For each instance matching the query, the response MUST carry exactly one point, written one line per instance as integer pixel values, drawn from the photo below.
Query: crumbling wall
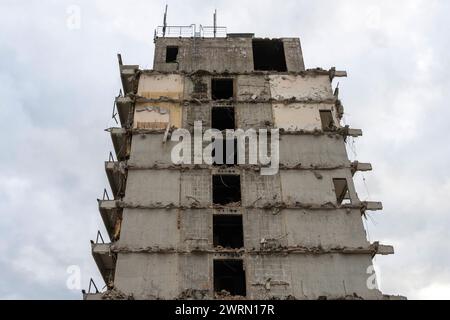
(324, 228)
(156, 86)
(293, 53)
(151, 187)
(301, 116)
(157, 115)
(264, 229)
(314, 187)
(196, 112)
(310, 151)
(196, 188)
(259, 190)
(252, 87)
(148, 276)
(149, 150)
(300, 87)
(254, 116)
(143, 228)
(196, 228)
(333, 276)
(219, 54)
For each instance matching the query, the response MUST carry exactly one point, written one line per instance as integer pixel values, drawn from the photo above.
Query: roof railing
(190, 32)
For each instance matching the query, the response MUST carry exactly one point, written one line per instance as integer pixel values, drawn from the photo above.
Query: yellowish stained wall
(298, 116)
(161, 85)
(316, 87)
(157, 115)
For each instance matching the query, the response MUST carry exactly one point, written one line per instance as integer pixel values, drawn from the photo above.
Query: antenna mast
(215, 22)
(165, 22)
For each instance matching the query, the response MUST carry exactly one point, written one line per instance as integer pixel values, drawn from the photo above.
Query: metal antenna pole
(165, 22)
(215, 22)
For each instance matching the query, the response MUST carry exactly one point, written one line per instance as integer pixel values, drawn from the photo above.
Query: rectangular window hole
(326, 118)
(341, 190)
(226, 189)
(229, 276)
(268, 55)
(222, 89)
(171, 54)
(222, 118)
(228, 231)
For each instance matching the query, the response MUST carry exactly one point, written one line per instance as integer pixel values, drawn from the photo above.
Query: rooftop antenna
(215, 22)
(165, 22)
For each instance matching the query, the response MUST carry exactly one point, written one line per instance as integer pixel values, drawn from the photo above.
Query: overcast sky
(58, 82)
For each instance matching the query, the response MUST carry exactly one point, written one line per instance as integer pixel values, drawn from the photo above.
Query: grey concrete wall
(192, 228)
(194, 112)
(325, 228)
(196, 188)
(214, 55)
(254, 116)
(303, 276)
(293, 53)
(309, 276)
(316, 187)
(149, 187)
(252, 87)
(258, 190)
(143, 228)
(233, 54)
(307, 150)
(148, 276)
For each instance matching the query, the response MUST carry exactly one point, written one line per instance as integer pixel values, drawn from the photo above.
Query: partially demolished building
(218, 231)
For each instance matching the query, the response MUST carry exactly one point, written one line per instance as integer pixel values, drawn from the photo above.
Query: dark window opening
(341, 190)
(326, 118)
(229, 153)
(228, 231)
(268, 55)
(222, 118)
(229, 275)
(222, 89)
(226, 189)
(171, 54)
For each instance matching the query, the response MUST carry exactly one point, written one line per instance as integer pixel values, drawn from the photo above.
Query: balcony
(111, 215)
(105, 260)
(116, 174)
(121, 141)
(125, 110)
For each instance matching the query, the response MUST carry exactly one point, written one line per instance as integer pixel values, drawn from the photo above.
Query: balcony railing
(190, 31)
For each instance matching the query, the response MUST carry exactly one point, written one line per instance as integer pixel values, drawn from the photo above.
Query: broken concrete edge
(265, 206)
(110, 294)
(206, 294)
(110, 213)
(130, 74)
(237, 168)
(343, 131)
(308, 72)
(187, 102)
(371, 206)
(373, 249)
(117, 176)
(100, 253)
(360, 166)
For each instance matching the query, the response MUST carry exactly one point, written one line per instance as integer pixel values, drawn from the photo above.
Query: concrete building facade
(218, 231)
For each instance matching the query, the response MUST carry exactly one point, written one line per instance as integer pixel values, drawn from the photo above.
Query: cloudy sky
(57, 84)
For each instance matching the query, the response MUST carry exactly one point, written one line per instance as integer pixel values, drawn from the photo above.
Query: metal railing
(190, 31)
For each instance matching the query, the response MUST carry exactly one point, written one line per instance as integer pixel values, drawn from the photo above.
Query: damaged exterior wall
(298, 241)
